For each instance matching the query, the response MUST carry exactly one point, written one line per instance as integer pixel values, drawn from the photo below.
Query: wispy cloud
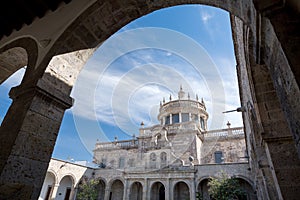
(206, 16)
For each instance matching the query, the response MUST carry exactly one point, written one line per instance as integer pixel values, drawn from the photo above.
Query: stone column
(54, 191)
(180, 120)
(27, 137)
(126, 190)
(146, 190)
(73, 193)
(192, 189)
(107, 193)
(168, 194)
(171, 120)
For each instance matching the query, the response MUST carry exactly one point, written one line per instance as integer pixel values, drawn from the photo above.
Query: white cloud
(205, 16)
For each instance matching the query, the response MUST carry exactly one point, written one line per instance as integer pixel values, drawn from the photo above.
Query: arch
(202, 188)
(29, 44)
(11, 61)
(157, 191)
(71, 176)
(54, 174)
(65, 187)
(181, 191)
(247, 186)
(116, 190)
(94, 22)
(136, 191)
(48, 185)
(101, 188)
(91, 19)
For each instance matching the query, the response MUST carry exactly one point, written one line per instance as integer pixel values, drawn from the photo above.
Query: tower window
(175, 118)
(122, 162)
(218, 157)
(167, 120)
(202, 124)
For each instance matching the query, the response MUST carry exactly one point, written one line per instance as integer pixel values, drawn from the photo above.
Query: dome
(183, 110)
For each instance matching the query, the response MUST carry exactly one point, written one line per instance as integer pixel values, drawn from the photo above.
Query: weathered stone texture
(266, 37)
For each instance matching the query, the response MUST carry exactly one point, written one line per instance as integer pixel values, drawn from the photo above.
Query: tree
(225, 188)
(88, 190)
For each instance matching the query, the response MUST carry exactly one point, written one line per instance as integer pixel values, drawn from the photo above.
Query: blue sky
(144, 62)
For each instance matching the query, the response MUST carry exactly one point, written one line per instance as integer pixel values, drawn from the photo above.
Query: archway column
(146, 190)
(192, 190)
(27, 137)
(126, 190)
(169, 189)
(54, 191)
(107, 192)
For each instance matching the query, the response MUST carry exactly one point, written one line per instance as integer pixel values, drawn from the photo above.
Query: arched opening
(136, 191)
(12, 81)
(11, 61)
(65, 188)
(247, 187)
(157, 191)
(244, 10)
(117, 190)
(101, 189)
(181, 191)
(202, 190)
(47, 188)
(163, 159)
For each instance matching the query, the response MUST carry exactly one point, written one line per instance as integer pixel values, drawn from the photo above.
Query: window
(167, 120)
(218, 157)
(175, 118)
(152, 160)
(163, 159)
(121, 162)
(202, 124)
(185, 117)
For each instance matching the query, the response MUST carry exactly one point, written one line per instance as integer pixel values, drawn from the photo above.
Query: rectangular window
(121, 162)
(202, 123)
(175, 118)
(167, 120)
(185, 117)
(218, 157)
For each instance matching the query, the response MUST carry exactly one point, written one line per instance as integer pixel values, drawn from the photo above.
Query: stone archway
(136, 191)
(116, 190)
(101, 189)
(47, 188)
(157, 191)
(248, 188)
(202, 189)
(65, 188)
(93, 24)
(181, 191)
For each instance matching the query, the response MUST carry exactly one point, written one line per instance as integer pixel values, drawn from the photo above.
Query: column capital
(43, 89)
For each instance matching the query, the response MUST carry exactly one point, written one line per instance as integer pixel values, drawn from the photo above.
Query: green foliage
(88, 190)
(225, 188)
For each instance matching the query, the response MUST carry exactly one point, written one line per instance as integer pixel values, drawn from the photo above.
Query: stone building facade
(170, 160)
(266, 43)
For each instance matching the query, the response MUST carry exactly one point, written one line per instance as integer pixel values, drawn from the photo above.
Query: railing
(239, 131)
(124, 144)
